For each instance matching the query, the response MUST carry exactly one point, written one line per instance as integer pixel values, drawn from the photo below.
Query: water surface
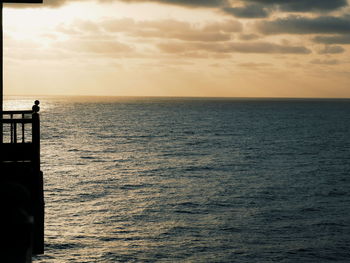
(195, 180)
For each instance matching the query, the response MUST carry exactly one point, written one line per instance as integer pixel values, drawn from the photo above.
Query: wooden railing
(10, 132)
(20, 136)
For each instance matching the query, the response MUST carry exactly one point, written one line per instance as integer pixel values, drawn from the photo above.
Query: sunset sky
(218, 48)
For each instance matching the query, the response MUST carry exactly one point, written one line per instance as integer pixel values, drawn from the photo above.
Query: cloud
(305, 25)
(224, 26)
(263, 8)
(325, 62)
(46, 3)
(102, 47)
(173, 29)
(270, 48)
(254, 65)
(332, 50)
(168, 29)
(258, 47)
(341, 39)
(248, 36)
(192, 3)
(180, 36)
(303, 5)
(248, 11)
(284, 5)
(141, 37)
(185, 3)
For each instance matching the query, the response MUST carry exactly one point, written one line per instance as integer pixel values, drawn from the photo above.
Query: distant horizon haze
(166, 96)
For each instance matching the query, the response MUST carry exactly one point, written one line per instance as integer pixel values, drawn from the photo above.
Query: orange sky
(220, 48)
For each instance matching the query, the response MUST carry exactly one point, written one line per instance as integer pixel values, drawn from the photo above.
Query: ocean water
(195, 180)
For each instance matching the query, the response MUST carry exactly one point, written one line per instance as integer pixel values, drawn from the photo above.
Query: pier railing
(15, 126)
(20, 137)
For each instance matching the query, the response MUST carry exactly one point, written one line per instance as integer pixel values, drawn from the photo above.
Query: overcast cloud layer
(245, 5)
(255, 35)
(324, 22)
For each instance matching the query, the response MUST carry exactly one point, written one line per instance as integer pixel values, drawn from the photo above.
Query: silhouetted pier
(21, 187)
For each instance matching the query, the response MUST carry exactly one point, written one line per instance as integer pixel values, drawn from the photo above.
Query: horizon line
(178, 96)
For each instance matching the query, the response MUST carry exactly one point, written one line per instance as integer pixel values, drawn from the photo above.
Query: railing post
(1, 127)
(11, 117)
(23, 140)
(14, 132)
(39, 204)
(36, 140)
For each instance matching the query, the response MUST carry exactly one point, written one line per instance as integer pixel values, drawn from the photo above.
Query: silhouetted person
(36, 107)
(16, 224)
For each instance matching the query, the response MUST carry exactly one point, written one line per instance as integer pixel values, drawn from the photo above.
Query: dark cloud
(263, 8)
(325, 61)
(249, 11)
(248, 36)
(258, 47)
(270, 48)
(305, 25)
(332, 50)
(303, 5)
(189, 3)
(341, 39)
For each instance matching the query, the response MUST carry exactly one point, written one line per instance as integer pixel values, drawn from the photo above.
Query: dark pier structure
(21, 186)
(21, 179)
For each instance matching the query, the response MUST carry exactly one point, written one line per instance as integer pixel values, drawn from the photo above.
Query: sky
(197, 48)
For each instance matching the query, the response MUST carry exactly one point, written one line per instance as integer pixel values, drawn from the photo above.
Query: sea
(156, 179)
